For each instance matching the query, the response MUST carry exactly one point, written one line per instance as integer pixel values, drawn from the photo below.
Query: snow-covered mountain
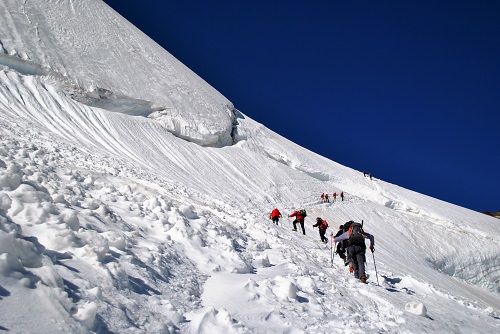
(135, 199)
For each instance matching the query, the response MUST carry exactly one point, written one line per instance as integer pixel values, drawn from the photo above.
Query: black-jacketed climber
(340, 248)
(356, 248)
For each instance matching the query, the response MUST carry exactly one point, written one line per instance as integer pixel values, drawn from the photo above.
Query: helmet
(318, 218)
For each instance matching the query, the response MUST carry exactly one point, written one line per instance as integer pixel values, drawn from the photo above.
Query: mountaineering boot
(363, 279)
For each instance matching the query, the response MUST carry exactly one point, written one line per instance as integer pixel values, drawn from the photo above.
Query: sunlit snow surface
(135, 199)
(89, 48)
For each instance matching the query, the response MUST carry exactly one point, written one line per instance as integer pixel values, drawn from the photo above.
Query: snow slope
(90, 48)
(135, 199)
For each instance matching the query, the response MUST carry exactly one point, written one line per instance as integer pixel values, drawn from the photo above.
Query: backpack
(345, 228)
(356, 235)
(324, 224)
(303, 212)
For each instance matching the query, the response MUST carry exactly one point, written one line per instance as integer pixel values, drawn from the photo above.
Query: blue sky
(406, 90)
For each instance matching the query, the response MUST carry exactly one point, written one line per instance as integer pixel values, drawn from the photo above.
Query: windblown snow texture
(135, 199)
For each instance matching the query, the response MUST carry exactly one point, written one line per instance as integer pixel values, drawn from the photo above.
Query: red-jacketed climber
(299, 215)
(275, 215)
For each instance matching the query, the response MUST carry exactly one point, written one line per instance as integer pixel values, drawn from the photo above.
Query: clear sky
(406, 90)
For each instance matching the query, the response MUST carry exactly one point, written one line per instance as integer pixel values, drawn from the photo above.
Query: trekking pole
(331, 251)
(375, 265)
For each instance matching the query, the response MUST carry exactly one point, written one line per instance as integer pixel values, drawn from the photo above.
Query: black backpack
(303, 212)
(356, 235)
(345, 228)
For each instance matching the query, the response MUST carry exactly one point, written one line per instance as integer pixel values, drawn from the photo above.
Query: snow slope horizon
(104, 214)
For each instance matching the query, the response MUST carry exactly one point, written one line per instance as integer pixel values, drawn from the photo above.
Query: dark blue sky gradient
(407, 90)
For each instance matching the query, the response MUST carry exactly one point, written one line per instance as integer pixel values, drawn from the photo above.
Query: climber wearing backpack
(275, 215)
(299, 215)
(322, 225)
(356, 248)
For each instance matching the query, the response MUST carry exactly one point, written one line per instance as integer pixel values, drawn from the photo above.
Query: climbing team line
(333, 275)
(355, 263)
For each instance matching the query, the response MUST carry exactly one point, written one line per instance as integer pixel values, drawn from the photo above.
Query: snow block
(87, 314)
(416, 308)
(284, 289)
(262, 261)
(5, 202)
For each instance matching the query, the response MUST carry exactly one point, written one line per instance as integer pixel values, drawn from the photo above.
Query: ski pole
(334, 250)
(331, 251)
(375, 265)
(331, 255)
